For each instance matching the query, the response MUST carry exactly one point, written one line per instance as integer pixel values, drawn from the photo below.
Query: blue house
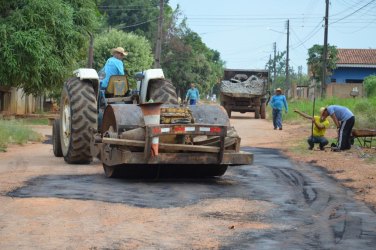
(354, 65)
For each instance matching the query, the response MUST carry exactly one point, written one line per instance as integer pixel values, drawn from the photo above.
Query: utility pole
(287, 55)
(158, 46)
(274, 64)
(90, 59)
(325, 52)
(269, 71)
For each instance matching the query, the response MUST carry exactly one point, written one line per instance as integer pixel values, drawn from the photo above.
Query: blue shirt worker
(114, 65)
(277, 103)
(344, 119)
(192, 95)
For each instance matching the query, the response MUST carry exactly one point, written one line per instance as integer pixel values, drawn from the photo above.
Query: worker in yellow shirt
(319, 128)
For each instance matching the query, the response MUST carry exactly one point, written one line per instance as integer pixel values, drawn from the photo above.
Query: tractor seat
(117, 86)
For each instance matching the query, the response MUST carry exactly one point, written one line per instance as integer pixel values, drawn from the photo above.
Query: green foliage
(280, 64)
(280, 81)
(139, 58)
(34, 121)
(187, 59)
(14, 132)
(370, 85)
(42, 40)
(137, 16)
(365, 113)
(315, 62)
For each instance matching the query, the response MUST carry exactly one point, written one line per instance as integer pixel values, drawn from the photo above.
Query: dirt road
(273, 204)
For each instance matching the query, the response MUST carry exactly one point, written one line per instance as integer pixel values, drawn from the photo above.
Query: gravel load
(252, 86)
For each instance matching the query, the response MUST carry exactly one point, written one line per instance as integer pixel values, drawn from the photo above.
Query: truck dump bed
(244, 91)
(244, 83)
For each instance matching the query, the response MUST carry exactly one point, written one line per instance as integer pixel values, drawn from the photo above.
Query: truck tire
(162, 90)
(263, 110)
(78, 116)
(228, 110)
(56, 143)
(257, 112)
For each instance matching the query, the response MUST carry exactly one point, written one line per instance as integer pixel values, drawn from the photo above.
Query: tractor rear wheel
(78, 117)
(161, 90)
(56, 143)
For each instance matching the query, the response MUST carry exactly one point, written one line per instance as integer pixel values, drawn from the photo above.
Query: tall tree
(187, 59)
(315, 60)
(41, 41)
(138, 16)
(280, 62)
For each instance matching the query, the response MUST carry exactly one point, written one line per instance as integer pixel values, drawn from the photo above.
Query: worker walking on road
(344, 119)
(192, 95)
(277, 102)
(319, 128)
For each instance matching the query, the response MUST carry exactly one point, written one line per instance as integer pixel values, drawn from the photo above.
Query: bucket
(152, 116)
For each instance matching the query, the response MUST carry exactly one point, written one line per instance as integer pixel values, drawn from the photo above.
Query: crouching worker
(319, 128)
(344, 119)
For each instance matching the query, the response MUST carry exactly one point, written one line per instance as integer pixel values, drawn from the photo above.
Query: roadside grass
(34, 121)
(364, 110)
(300, 147)
(16, 132)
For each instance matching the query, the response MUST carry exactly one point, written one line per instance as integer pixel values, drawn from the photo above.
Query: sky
(243, 31)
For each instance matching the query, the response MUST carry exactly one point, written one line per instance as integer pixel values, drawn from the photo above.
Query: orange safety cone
(154, 146)
(152, 116)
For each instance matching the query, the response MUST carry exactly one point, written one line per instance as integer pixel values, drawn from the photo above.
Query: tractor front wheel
(163, 91)
(78, 118)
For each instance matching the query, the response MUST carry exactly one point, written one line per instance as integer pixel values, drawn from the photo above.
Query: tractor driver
(114, 65)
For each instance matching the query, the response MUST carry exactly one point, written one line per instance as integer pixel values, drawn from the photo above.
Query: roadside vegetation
(16, 132)
(364, 109)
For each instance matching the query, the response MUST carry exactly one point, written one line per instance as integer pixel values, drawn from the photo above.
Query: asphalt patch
(311, 211)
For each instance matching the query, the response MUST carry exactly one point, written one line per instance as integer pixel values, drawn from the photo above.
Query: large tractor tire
(162, 90)
(56, 142)
(78, 118)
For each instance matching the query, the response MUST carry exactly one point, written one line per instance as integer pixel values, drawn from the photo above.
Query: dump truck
(245, 90)
(125, 128)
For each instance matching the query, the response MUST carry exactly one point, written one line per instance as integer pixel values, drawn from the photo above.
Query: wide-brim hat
(278, 89)
(323, 109)
(119, 50)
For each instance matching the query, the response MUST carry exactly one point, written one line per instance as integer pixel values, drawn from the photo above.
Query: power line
(137, 24)
(300, 41)
(352, 13)
(309, 36)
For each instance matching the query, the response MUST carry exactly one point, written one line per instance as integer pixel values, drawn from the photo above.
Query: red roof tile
(357, 56)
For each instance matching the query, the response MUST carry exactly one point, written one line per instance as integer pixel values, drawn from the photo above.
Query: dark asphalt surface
(318, 212)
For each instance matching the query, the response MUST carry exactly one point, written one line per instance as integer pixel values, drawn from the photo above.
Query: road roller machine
(128, 129)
